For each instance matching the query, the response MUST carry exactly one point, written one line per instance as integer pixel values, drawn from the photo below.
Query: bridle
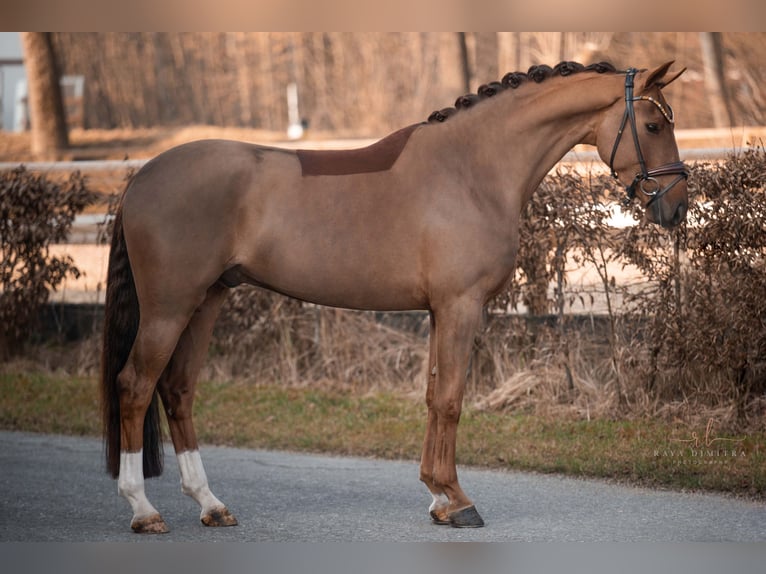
(646, 179)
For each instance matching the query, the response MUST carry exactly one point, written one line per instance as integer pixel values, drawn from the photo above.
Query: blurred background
(345, 84)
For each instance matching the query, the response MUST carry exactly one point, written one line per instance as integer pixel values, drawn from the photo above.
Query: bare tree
(46, 107)
(712, 59)
(465, 62)
(487, 50)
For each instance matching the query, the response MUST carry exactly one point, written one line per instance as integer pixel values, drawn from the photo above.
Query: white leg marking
(130, 484)
(194, 481)
(440, 500)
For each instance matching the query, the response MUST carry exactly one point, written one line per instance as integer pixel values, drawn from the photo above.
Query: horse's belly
(345, 278)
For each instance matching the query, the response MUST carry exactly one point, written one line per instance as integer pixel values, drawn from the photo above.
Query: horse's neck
(517, 139)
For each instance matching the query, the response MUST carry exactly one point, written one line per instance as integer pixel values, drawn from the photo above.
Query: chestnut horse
(427, 218)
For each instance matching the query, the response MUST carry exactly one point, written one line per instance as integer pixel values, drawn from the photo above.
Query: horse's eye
(653, 128)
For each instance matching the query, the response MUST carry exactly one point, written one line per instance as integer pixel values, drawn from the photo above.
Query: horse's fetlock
(193, 490)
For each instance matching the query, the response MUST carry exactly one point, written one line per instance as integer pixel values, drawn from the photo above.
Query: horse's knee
(448, 410)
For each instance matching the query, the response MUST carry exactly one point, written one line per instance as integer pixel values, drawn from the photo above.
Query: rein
(646, 179)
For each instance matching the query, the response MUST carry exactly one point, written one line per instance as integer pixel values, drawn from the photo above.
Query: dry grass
(544, 390)
(262, 337)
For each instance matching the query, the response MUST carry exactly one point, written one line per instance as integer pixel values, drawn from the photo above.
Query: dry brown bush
(691, 340)
(267, 338)
(35, 212)
(705, 320)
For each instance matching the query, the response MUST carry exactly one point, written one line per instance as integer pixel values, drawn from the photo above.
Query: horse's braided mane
(513, 80)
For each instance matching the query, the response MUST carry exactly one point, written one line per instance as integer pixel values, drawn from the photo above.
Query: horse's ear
(657, 76)
(672, 79)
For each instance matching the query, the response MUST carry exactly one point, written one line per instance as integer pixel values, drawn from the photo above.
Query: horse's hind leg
(176, 388)
(154, 344)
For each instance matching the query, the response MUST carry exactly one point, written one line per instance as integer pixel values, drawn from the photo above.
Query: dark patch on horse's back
(379, 156)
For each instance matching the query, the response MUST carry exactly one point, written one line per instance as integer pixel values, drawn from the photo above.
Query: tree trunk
(712, 59)
(487, 50)
(465, 63)
(46, 106)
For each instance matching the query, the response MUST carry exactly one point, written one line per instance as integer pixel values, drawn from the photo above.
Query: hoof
(153, 524)
(466, 518)
(219, 517)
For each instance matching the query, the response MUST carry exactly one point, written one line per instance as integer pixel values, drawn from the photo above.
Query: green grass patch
(48, 403)
(647, 452)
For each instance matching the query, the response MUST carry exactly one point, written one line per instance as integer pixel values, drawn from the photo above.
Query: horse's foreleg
(137, 381)
(177, 391)
(439, 507)
(457, 325)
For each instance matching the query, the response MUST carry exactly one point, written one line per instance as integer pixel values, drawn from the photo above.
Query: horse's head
(636, 138)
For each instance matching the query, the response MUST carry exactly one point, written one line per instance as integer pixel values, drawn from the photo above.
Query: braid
(513, 80)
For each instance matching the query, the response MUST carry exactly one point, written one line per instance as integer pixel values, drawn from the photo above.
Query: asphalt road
(53, 488)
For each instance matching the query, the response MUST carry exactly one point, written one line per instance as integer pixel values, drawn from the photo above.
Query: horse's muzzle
(667, 215)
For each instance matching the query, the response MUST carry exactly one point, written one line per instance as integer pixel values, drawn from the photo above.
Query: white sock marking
(130, 484)
(194, 481)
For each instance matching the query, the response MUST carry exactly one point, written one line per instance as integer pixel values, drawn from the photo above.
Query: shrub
(34, 213)
(706, 318)
(693, 333)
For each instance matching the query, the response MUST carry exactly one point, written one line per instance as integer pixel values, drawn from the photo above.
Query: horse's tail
(120, 329)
